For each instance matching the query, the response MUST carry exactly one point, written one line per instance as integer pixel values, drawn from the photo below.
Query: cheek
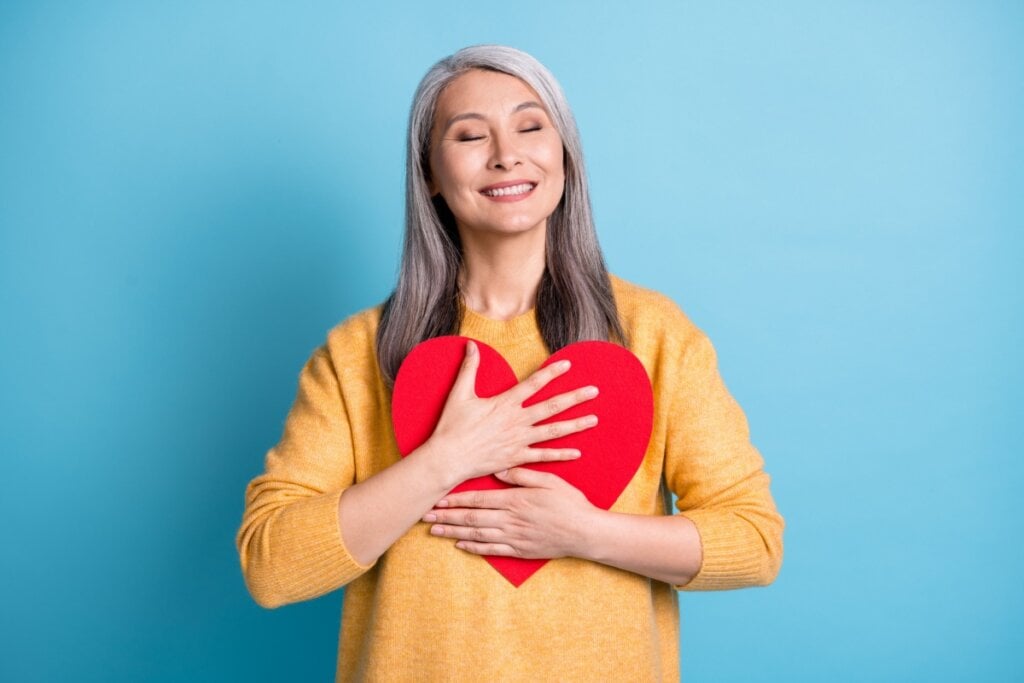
(554, 155)
(556, 174)
(453, 171)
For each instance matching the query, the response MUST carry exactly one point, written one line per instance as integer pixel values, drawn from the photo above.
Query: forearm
(662, 547)
(376, 512)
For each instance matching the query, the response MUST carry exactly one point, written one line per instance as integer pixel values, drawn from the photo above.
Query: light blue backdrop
(193, 193)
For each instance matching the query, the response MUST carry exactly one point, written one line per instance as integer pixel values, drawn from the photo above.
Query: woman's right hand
(478, 436)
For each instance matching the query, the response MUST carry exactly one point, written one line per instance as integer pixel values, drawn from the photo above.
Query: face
(495, 156)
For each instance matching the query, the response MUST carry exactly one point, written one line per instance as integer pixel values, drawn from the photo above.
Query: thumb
(524, 476)
(465, 381)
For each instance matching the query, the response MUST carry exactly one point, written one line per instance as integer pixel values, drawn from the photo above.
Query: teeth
(514, 189)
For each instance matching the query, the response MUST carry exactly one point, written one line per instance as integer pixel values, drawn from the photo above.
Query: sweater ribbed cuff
(733, 552)
(328, 556)
(317, 560)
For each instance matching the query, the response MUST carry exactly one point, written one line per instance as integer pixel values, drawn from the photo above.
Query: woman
(500, 247)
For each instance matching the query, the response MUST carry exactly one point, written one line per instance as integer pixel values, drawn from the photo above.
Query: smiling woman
(497, 159)
(500, 247)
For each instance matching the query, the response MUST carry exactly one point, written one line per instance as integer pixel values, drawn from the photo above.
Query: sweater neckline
(501, 332)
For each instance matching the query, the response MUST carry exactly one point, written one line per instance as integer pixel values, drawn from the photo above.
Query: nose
(504, 152)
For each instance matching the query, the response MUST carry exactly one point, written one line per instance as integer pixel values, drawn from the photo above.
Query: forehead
(483, 92)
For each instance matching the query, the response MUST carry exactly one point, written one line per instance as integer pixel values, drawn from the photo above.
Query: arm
(665, 547)
(548, 517)
(719, 478)
(728, 533)
(289, 542)
(308, 528)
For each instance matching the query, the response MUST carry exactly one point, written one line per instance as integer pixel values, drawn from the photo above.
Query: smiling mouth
(510, 191)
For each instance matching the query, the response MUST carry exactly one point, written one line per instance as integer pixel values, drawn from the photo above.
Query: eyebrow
(473, 115)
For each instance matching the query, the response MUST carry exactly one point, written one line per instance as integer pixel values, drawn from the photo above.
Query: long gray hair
(574, 300)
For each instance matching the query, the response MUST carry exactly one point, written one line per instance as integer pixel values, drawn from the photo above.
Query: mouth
(514, 189)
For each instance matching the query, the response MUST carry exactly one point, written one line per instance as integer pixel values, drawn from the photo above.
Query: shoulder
(351, 344)
(669, 344)
(359, 327)
(649, 314)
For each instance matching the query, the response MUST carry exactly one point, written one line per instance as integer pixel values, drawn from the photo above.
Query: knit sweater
(426, 611)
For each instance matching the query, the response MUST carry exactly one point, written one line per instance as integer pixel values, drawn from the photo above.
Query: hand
(546, 517)
(479, 436)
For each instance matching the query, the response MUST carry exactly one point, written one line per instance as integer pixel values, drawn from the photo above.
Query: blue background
(193, 193)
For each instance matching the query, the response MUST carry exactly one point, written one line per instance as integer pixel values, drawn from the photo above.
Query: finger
(557, 404)
(535, 382)
(465, 381)
(492, 499)
(475, 534)
(524, 476)
(554, 430)
(466, 517)
(499, 549)
(550, 455)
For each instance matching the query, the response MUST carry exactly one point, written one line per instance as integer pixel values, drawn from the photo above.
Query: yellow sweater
(426, 611)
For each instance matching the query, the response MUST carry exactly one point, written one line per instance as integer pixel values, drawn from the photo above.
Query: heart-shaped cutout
(611, 451)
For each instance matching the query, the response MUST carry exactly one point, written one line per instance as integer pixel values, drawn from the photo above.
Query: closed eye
(530, 130)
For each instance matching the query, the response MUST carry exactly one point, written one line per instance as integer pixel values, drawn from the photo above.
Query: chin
(521, 229)
(509, 228)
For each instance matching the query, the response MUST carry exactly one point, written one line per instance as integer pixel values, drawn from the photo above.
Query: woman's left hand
(543, 517)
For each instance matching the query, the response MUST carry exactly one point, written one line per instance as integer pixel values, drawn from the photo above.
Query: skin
(506, 135)
(497, 136)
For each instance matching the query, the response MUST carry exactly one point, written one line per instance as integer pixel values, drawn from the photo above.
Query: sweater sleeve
(290, 543)
(718, 477)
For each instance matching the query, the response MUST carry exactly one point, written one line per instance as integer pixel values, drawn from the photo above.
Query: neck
(501, 274)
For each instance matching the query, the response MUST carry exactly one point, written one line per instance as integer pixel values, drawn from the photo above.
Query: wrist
(592, 533)
(432, 455)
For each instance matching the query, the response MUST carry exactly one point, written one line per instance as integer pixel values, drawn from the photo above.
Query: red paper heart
(611, 451)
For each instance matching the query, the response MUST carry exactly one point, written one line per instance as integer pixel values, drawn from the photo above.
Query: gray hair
(574, 300)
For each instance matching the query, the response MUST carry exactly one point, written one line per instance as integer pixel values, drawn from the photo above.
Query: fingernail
(503, 473)
(576, 454)
(470, 347)
(436, 530)
(590, 392)
(442, 504)
(430, 517)
(564, 365)
(590, 420)
(460, 545)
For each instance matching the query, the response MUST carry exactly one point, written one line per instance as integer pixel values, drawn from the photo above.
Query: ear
(428, 177)
(427, 166)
